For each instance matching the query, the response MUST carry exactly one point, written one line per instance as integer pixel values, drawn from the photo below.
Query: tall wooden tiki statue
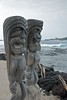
(15, 40)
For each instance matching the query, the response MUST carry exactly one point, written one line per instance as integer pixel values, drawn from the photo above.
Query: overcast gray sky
(52, 12)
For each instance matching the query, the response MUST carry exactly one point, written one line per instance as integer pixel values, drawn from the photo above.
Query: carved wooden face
(34, 39)
(36, 34)
(18, 41)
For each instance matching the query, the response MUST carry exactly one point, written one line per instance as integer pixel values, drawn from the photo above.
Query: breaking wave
(55, 45)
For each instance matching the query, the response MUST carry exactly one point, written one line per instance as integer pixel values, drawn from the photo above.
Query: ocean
(53, 54)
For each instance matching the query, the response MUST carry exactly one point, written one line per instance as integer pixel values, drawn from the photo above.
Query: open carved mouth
(18, 45)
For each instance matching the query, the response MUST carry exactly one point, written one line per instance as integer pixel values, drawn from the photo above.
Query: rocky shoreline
(51, 83)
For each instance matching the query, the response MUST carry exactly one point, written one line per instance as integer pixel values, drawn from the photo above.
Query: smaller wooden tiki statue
(33, 45)
(15, 38)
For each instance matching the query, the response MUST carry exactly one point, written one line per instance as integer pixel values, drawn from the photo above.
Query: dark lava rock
(2, 56)
(52, 83)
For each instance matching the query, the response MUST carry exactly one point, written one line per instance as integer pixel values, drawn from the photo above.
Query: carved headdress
(33, 23)
(9, 26)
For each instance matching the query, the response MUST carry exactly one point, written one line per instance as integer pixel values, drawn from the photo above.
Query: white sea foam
(53, 45)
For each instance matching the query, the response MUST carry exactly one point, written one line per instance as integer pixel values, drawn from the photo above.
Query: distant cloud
(52, 12)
